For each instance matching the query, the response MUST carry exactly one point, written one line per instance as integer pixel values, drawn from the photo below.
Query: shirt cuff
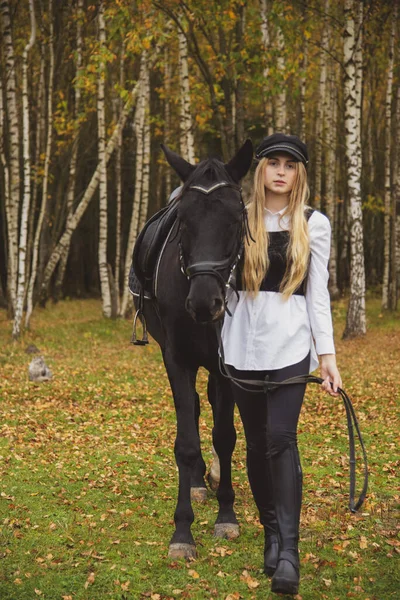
(324, 345)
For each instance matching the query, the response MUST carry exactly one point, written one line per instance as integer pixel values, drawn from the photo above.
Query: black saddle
(148, 246)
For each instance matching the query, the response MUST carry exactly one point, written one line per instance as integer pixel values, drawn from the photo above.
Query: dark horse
(191, 299)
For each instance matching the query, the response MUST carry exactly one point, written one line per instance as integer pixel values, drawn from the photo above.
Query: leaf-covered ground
(88, 479)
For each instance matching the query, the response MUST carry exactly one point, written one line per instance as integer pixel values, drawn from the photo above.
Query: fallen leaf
(89, 580)
(193, 574)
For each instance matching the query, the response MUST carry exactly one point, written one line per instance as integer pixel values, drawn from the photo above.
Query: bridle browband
(214, 268)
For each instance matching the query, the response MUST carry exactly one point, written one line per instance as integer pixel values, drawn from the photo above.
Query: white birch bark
(280, 103)
(320, 129)
(134, 225)
(330, 111)
(355, 321)
(101, 128)
(23, 237)
(72, 166)
(185, 123)
(73, 222)
(388, 191)
(13, 153)
(265, 36)
(45, 185)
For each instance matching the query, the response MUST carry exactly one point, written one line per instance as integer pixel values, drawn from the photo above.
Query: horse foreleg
(198, 490)
(187, 452)
(224, 440)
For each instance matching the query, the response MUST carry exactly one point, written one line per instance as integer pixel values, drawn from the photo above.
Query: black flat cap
(280, 142)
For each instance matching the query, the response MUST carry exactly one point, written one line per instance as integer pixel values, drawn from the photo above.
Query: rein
(267, 386)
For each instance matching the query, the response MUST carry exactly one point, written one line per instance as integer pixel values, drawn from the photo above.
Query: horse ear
(238, 166)
(181, 166)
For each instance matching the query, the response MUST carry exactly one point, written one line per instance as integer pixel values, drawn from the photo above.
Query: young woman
(280, 325)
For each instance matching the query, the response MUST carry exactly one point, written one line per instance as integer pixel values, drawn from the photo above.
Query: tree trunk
(267, 104)
(321, 114)
(355, 322)
(23, 237)
(144, 204)
(13, 153)
(101, 128)
(396, 212)
(330, 168)
(133, 230)
(386, 297)
(303, 79)
(118, 171)
(167, 116)
(185, 123)
(72, 166)
(6, 176)
(73, 222)
(36, 241)
(280, 104)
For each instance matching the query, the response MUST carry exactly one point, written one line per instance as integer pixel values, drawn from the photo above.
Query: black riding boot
(287, 478)
(258, 462)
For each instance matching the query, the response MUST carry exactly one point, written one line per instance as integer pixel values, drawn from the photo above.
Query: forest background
(90, 89)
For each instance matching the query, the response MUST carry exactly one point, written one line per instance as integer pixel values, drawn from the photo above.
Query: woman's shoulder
(317, 220)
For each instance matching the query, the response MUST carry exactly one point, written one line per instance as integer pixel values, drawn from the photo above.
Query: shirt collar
(279, 212)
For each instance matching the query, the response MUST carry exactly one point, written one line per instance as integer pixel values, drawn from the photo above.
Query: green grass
(88, 478)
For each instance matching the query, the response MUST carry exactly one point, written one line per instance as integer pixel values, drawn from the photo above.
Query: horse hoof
(212, 482)
(228, 531)
(182, 551)
(198, 494)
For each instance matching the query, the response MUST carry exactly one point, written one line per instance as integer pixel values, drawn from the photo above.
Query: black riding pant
(270, 425)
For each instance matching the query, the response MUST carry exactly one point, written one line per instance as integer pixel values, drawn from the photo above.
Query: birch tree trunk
(355, 321)
(280, 103)
(396, 212)
(186, 125)
(266, 41)
(13, 153)
(39, 225)
(386, 297)
(101, 128)
(303, 80)
(320, 129)
(73, 222)
(167, 115)
(37, 161)
(6, 175)
(118, 162)
(134, 225)
(330, 110)
(72, 166)
(144, 203)
(23, 237)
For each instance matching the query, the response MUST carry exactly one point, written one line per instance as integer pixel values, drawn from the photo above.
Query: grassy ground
(88, 477)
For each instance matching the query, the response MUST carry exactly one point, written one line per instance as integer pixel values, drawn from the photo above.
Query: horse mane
(211, 169)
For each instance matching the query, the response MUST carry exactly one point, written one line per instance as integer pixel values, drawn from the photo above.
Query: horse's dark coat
(209, 230)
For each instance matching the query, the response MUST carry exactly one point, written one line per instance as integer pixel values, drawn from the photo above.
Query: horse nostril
(217, 304)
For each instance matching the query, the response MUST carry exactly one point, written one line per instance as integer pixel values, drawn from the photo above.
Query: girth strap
(268, 386)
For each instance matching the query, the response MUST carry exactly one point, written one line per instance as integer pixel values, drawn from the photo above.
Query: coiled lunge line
(268, 386)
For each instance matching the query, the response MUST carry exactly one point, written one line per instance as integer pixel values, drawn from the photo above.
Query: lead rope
(269, 386)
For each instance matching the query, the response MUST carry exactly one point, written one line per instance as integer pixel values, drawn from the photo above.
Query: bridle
(216, 268)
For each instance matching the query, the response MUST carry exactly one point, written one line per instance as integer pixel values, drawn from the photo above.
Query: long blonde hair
(256, 262)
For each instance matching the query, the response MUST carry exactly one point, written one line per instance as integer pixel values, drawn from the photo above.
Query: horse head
(211, 217)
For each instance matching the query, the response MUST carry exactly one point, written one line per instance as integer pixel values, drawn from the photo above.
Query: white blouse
(266, 332)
